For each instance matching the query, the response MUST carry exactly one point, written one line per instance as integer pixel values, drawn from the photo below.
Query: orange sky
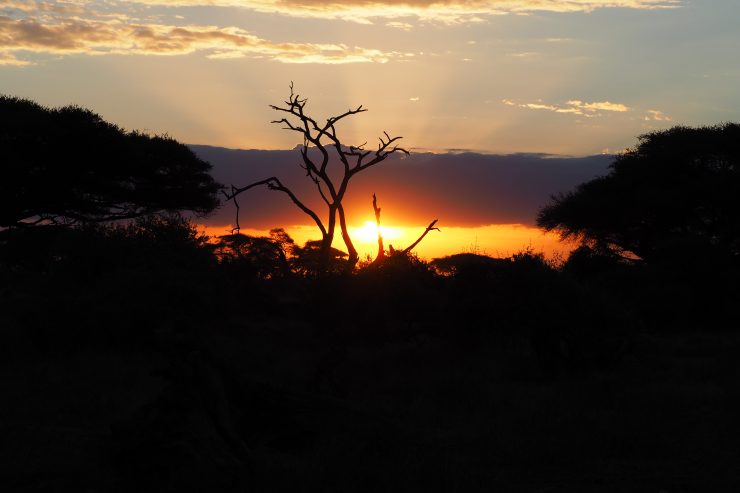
(484, 203)
(501, 240)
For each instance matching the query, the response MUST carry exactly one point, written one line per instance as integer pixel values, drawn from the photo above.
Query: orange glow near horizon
(495, 240)
(368, 233)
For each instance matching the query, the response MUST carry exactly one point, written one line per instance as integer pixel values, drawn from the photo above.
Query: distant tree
(68, 165)
(259, 256)
(310, 259)
(353, 160)
(467, 265)
(676, 195)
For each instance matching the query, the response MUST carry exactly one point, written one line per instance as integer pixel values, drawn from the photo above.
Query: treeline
(121, 283)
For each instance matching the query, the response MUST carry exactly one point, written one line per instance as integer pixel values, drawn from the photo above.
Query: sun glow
(368, 233)
(496, 240)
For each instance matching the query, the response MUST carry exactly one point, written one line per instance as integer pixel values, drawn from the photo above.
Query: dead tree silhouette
(352, 159)
(380, 257)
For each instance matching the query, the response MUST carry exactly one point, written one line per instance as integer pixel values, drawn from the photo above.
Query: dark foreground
(167, 371)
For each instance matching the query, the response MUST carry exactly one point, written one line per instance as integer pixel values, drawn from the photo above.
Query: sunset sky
(572, 77)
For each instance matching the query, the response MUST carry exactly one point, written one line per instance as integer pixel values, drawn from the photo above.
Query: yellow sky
(501, 240)
(577, 77)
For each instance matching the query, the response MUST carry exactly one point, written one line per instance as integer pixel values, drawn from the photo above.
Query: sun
(368, 233)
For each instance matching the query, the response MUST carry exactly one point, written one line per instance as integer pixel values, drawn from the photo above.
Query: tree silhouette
(674, 196)
(68, 165)
(260, 257)
(381, 255)
(353, 160)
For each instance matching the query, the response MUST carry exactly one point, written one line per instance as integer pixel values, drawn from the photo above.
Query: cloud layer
(117, 27)
(54, 28)
(461, 189)
(588, 110)
(450, 11)
(574, 106)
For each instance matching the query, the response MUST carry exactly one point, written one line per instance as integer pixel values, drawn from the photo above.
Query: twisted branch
(275, 184)
(426, 231)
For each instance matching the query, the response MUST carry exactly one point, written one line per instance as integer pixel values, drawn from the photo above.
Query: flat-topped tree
(673, 198)
(352, 160)
(67, 166)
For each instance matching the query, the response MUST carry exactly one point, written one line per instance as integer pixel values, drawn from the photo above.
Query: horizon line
(423, 150)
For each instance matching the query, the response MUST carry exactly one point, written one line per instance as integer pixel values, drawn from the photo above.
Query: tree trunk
(327, 240)
(351, 250)
(381, 251)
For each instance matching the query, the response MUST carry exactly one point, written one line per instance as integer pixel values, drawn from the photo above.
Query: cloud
(74, 35)
(658, 116)
(10, 59)
(462, 188)
(448, 11)
(127, 27)
(39, 6)
(599, 106)
(574, 106)
(589, 110)
(405, 26)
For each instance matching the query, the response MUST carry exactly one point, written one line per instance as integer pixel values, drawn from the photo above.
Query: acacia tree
(68, 165)
(673, 196)
(352, 160)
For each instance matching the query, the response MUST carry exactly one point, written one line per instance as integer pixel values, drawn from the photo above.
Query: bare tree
(429, 228)
(380, 257)
(352, 160)
(381, 251)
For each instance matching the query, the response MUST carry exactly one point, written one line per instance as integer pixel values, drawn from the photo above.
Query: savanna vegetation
(143, 356)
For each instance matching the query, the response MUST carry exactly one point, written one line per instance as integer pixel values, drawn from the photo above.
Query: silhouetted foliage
(465, 264)
(67, 165)
(310, 259)
(673, 197)
(255, 256)
(586, 262)
(567, 326)
(167, 241)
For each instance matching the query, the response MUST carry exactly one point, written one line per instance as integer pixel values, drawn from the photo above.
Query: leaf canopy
(68, 165)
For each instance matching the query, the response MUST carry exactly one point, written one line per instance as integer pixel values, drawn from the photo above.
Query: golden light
(496, 240)
(368, 233)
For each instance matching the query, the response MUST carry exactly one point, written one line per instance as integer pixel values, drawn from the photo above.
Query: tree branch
(426, 231)
(353, 257)
(380, 155)
(236, 203)
(321, 191)
(352, 159)
(381, 250)
(274, 184)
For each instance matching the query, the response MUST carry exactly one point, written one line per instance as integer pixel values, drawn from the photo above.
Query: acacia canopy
(67, 165)
(674, 196)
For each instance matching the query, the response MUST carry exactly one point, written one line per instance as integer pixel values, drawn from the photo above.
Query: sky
(485, 203)
(464, 189)
(573, 77)
(471, 78)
